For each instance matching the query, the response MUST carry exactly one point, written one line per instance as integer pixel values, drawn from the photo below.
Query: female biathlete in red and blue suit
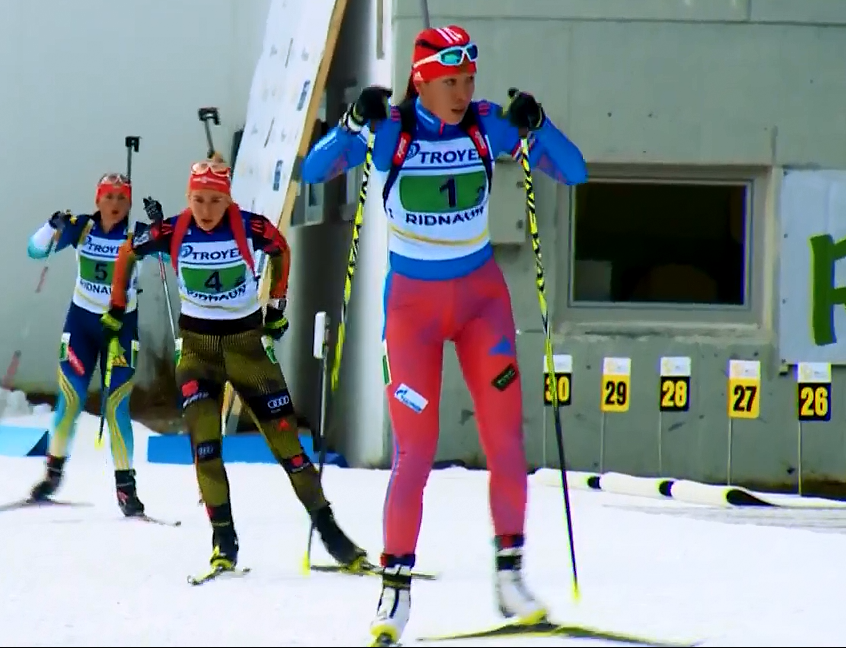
(435, 154)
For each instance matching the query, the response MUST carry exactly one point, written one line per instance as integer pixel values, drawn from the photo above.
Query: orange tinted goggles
(216, 168)
(116, 179)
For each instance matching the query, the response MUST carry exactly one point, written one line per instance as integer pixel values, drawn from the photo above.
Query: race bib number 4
(213, 281)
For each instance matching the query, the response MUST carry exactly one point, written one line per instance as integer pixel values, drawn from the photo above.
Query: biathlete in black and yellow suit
(225, 337)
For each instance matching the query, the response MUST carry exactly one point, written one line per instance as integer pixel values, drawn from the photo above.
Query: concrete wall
(356, 417)
(73, 87)
(745, 86)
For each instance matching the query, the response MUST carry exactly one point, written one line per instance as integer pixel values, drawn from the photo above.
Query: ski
(549, 629)
(155, 520)
(28, 502)
(365, 568)
(218, 572)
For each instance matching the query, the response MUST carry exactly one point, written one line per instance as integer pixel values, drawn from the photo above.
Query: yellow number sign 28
(675, 394)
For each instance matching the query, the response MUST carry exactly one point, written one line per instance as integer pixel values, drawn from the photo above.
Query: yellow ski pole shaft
(111, 352)
(540, 283)
(351, 264)
(335, 372)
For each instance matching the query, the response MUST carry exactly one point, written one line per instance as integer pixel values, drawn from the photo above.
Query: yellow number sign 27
(744, 389)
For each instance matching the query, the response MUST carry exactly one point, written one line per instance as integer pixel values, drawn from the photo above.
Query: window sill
(675, 328)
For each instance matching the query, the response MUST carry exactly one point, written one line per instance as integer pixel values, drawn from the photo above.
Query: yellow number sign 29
(616, 384)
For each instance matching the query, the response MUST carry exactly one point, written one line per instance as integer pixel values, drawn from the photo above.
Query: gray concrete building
(690, 113)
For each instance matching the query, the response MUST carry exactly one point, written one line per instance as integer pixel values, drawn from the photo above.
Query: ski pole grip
(321, 324)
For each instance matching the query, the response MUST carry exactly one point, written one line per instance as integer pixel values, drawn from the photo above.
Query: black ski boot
(339, 546)
(127, 495)
(53, 477)
(224, 539)
(225, 547)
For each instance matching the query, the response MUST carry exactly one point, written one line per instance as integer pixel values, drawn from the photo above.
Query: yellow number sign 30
(562, 381)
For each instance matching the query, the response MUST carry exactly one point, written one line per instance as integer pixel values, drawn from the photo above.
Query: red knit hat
(211, 174)
(442, 51)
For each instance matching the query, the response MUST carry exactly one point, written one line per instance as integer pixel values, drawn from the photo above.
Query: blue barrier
(240, 448)
(23, 441)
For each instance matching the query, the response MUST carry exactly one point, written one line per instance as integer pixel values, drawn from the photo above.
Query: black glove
(60, 219)
(112, 322)
(275, 322)
(523, 111)
(153, 209)
(373, 104)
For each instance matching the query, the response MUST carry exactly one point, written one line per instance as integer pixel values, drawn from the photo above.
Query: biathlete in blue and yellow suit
(96, 238)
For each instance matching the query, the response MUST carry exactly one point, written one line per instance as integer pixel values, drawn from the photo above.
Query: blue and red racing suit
(443, 284)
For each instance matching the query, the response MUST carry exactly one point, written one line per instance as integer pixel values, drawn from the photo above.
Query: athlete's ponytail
(411, 90)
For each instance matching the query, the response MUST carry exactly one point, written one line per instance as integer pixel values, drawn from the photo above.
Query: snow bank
(15, 404)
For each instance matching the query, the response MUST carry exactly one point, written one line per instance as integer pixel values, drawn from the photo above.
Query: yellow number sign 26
(814, 402)
(813, 391)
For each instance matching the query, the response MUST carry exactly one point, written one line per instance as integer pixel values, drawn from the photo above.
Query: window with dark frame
(676, 242)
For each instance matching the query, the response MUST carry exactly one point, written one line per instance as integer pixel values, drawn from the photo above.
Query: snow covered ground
(88, 577)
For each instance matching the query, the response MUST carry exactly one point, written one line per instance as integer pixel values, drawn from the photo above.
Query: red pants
(474, 312)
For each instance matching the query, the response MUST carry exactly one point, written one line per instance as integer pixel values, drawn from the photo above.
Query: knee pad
(296, 464)
(208, 450)
(198, 389)
(271, 406)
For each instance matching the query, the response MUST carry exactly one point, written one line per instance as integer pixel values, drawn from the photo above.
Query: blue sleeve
(69, 237)
(340, 151)
(35, 246)
(549, 149)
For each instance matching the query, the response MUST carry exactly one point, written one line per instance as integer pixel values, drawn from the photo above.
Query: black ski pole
(132, 142)
(209, 116)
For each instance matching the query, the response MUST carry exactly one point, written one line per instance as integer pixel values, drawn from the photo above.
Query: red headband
(113, 182)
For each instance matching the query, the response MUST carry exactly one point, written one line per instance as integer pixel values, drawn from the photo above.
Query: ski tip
(218, 572)
(155, 520)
